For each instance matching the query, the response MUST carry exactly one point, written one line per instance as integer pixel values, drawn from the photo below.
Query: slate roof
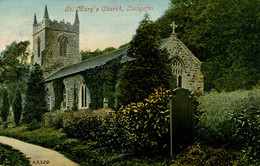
(93, 62)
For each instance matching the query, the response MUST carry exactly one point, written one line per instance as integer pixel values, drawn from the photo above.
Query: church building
(56, 50)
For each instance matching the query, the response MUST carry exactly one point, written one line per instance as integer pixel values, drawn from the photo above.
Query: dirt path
(37, 153)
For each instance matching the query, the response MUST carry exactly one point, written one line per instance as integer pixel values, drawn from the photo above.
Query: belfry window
(63, 45)
(39, 47)
(84, 97)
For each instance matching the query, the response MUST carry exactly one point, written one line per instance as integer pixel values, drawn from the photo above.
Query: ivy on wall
(101, 82)
(58, 87)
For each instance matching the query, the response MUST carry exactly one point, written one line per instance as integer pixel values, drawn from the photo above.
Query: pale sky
(98, 29)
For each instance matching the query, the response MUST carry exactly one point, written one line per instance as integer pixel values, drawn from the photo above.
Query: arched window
(177, 70)
(63, 45)
(64, 102)
(48, 99)
(39, 47)
(84, 97)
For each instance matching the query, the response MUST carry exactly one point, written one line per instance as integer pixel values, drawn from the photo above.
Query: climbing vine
(101, 82)
(58, 87)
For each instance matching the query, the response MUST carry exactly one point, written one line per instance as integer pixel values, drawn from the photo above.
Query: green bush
(59, 121)
(10, 156)
(137, 127)
(246, 126)
(82, 152)
(202, 155)
(149, 121)
(33, 126)
(215, 127)
(86, 126)
(115, 134)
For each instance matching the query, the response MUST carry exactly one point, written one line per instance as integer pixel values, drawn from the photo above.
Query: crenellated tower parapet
(55, 44)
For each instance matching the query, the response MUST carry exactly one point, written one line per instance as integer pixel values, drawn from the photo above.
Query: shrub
(10, 156)
(215, 127)
(137, 127)
(59, 121)
(203, 155)
(149, 121)
(246, 126)
(33, 126)
(86, 126)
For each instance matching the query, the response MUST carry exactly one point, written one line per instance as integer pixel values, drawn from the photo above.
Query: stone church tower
(55, 44)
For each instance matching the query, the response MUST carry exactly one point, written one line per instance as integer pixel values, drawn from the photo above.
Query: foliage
(59, 120)
(215, 127)
(83, 127)
(203, 155)
(10, 156)
(139, 126)
(246, 125)
(13, 68)
(88, 54)
(46, 137)
(223, 35)
(150, 68)
(12, 61)
(35, 101)
(75, 101)
(5, 106)
(197, 111)
(82, 152)
(58, 87)
(101, 82)
(17, 108)
(33, 126)
(124, 45)
(149, 121)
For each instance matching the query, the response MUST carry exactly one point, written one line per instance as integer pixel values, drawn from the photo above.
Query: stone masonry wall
(52, 96)
(49, 32)
(71, 83)
(192, 77)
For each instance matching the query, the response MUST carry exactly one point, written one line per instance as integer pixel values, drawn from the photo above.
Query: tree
(150, 68)
(17, 107)
(223, 35)
(88, 54)
(35, 100)
(5, 106)
(14, 68)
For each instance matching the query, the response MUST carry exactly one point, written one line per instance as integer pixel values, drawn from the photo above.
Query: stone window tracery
(177, 70)
(84, 97)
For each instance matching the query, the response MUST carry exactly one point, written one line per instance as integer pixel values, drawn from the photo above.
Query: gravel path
(38, 155)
